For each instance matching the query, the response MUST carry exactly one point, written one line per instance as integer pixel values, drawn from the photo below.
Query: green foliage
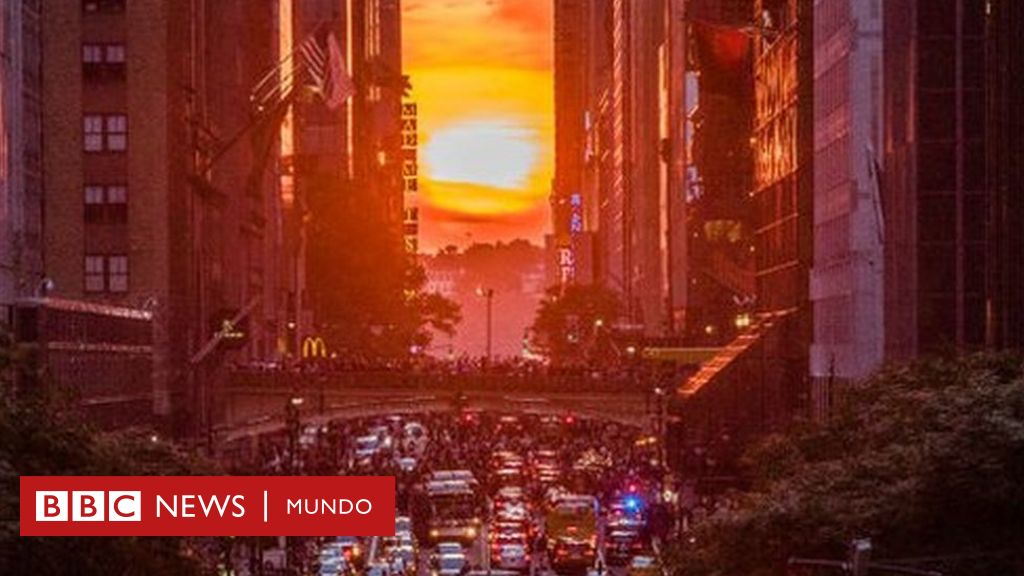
(925, 459)
(41, 434)
(573, 322)
(369, 290)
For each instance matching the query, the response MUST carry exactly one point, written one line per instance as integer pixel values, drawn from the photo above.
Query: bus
(452, 510)
(571, 528)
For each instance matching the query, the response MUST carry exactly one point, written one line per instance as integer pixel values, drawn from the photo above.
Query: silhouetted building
(1005, 172)
(352, 164)
(574, 31)
(846, 284)
(720, 217)
(758, 382)
(934, 189)
(618, 197)
(21, 268)
(155, 201)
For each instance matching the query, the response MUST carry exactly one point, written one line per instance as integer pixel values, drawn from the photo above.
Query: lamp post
(488, 293)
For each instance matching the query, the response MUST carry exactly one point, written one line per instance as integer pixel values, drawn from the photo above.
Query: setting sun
(497, 153)
(481, 75)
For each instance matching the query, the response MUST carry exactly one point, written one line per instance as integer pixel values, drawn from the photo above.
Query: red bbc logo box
(207, 506)
(88, 506)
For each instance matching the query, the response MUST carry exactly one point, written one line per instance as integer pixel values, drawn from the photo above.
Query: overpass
(254, 402)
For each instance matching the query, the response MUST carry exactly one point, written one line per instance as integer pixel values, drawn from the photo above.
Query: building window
(106, 204)
(115, 54)
(105, 133)
(103, 62)
(102, 6)
(92, 54)
(117, 273)
(95, 280)
(106, 273)
(117, 132)
(93, 134)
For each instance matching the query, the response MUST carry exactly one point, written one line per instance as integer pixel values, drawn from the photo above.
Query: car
(508, 537)
(509, 477)
(572, 553)
(331, 563)
(624, 523)
(414, 429)
(378, 568)
(499, 526)
(451, 564)
(644, 566)
(621, 545)
(403, 525)
(512, 557)
(406, 552)
(509, 493)
(350, 548)
(367, 446)
(449, 547)
(513, 508)
(514, 514)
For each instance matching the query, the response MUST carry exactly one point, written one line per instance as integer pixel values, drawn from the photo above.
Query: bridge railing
(541, 382)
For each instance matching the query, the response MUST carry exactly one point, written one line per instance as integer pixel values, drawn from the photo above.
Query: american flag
(317, 63)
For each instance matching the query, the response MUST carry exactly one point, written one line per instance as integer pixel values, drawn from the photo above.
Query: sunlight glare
(497, 153)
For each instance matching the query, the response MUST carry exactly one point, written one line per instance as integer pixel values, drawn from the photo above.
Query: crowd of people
(506, 373)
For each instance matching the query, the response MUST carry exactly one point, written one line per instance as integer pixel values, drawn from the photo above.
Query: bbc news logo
(206, 506)
(88, 506)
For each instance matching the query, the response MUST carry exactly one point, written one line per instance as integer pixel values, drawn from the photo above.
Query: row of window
(103, 54)
(103, 62)
(105, 133)
(103, 6)
(106, 273)
(106, 204)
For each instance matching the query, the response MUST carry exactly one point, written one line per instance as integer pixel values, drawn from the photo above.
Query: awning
(716, 367)
(695, 356)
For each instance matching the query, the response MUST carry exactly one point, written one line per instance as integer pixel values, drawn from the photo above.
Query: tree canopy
(41, 434)
(926, 459)
(574, 322)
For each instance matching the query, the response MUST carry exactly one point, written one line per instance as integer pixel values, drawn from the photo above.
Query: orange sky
(482, 76)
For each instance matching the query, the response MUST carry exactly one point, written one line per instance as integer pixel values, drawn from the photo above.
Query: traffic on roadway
(484, 493)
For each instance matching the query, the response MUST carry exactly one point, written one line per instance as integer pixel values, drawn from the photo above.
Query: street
(482, 492)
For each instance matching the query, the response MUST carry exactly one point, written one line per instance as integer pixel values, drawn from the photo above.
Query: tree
(42, 434)
(925, 459)
(574, 321)
(420, 315)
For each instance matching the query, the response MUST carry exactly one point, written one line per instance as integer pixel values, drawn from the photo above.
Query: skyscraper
(159, 193)
(21, 247)
(783, 195)
(1005, 173)
(934, 189)
(847, 277)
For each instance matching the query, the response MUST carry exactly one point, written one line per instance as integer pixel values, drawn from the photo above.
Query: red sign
(207, 505)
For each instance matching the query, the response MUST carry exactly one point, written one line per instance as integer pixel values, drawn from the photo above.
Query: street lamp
(488, 293)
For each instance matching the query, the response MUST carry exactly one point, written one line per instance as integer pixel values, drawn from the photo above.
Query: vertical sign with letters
(410, 176)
